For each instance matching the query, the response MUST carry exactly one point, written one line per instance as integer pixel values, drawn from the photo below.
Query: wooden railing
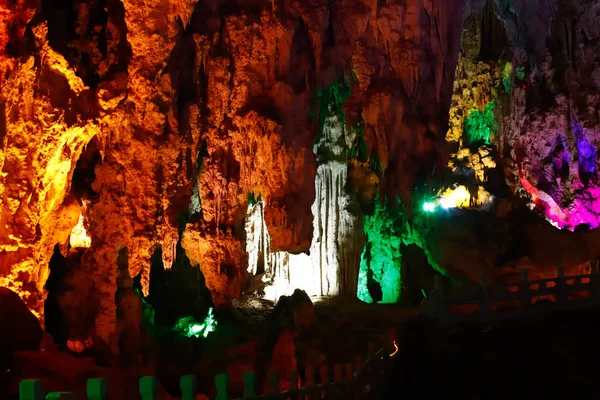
(347, 381)
(489, 302)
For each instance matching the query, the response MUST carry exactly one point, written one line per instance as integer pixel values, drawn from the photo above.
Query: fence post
(338, 378)
(310, 377)
(187, 383)
(222, 385)
(348, 372)
(148, 387)
(347, 378)
(337, 373)
(31, 389)
(274, 380)
(561, 285)
(594, 283)
(324, 375)
(96, 389)
(249, 384)
(357, 365)
(524, 289)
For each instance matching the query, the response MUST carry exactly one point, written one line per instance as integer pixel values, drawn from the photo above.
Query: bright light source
(79, 237)
(445, 203)
(429, 207)
(188, 327)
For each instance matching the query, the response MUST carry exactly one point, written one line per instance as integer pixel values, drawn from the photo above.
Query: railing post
(249, 384)
(337, 373)
(594, 266)
(148, 387)
(31, 389)
(348, 378)
(560, 271)
(348, 374)
(357, 364)
(338, 378)
(324, 375)
(222, 385)
(310, 382)
(562, 294)
(274, 380)
(96, 389)
(524, 294)
(594, 281)
(187, 384)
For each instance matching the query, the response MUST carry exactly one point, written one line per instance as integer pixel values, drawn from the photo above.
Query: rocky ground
(328, 332)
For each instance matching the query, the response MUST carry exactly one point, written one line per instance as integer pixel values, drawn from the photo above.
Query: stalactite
(332, 266)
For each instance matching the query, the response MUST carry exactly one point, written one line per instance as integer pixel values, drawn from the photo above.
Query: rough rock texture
(144, 118)
(540, 78)
(553, 126)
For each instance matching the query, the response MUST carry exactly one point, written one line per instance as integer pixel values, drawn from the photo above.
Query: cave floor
(368, 321)
(342, 329)
(551, 356)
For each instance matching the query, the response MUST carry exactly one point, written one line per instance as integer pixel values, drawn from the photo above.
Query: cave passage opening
(84, 173)
(418, 276)
(177, 292)
(54, 320)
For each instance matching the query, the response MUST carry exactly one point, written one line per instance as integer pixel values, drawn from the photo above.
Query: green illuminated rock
(380, 260)
(481, 126)
(189, 327)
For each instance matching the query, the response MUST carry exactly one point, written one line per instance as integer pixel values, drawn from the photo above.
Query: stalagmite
(329, 269)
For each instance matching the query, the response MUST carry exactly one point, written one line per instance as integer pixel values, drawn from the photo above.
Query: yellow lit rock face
(455, 198)
(79, 237)
(40, 149)
(460, 197)
(184, 96)
(475, 86)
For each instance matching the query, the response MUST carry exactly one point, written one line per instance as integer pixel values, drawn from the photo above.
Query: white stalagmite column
(330, 268)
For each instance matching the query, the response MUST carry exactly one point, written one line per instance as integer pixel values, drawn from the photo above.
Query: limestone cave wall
(146, 124)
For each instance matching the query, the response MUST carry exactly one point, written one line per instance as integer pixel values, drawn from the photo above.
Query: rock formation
(128, 122)
(288, 143)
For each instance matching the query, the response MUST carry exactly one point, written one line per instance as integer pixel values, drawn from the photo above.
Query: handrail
(350, 381)
(442, 303)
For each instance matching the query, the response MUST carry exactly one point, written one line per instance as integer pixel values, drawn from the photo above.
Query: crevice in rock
(418, 276)
(84, 173)
(264, 106)
(54, 320)
(87, 33)
(330, 37)
(494, 42)
(302, 61)
(179, 291)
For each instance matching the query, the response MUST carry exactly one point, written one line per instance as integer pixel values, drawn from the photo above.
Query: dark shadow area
(54, 320)
(84, 173)
(418, 277)
(494, 43)
(543, 357)
(79, 38)
(178, 292)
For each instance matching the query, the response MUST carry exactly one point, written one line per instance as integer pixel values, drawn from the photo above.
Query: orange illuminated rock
(149, 113)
